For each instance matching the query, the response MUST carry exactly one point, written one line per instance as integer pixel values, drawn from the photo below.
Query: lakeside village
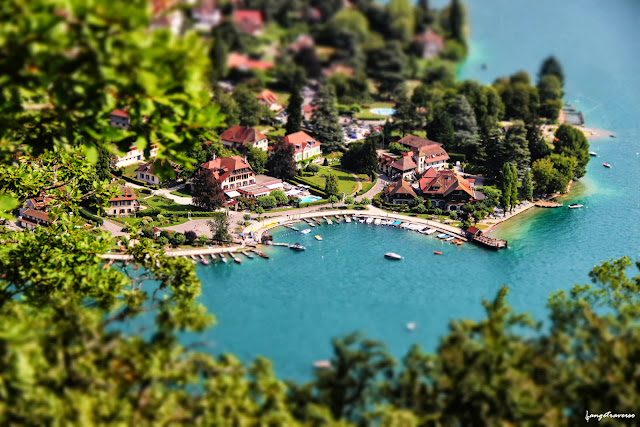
(385, 138)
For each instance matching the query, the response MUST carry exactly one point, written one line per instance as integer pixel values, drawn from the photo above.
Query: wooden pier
(548, 204)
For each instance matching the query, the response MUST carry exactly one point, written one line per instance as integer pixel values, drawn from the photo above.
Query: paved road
(113, 228)
(166, 192)
(383, 180)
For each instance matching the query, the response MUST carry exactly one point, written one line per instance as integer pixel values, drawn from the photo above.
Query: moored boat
(437, 252)
(297, 247)
(391, 255)
(369, 220)
(222, 258)
(235, 258)
(307, 231)
(575, 206)
(247, 254)
(593, 153)
(318, 237)
(203, 260)
(606, 165)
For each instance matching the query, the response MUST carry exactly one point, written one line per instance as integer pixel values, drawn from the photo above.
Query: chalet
(237, 137)
(269, 99)
(232, 172)
(145, 172)
(249, 21)
(428, 44)
(305, 146)
(120, 119)
(399, 193)
(402, 168)
(32, 218)
(425, 153)
(446, 189)
(124, 204)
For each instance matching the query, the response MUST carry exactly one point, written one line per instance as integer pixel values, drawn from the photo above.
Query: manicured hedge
(90, 216)
(319, 202)
(454, 157)
(138, 182)
(313, 190)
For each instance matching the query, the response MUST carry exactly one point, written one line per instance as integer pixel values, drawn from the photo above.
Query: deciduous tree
(219, 227)
(207, 192)
(282, 163)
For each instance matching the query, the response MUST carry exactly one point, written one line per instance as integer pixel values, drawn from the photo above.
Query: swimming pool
(309, 199)
(384, 111)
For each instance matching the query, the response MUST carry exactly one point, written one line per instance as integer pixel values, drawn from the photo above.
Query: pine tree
(407, 117)
(327, 127)
(248, 105)
(331, 185)
(294, 112)
(464, 125)
(506, 185)
(457, 21)
(218, 55)
(516, 146)
(514, 185)
(440, 128)
(526, 190)
(551, 66)
(282, 163)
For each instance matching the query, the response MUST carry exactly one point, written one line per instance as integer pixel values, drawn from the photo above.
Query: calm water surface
(290, 306)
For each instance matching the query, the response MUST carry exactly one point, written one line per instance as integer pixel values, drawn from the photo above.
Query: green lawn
(182, 193)
(130, 170)
(169, 205)
(346, 182)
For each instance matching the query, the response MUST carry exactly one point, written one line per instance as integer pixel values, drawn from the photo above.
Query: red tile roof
(400, 187)
(301, 141)
(339, 69)
(416, 142)
(444, 183)
(41, 215)
(223, 167)
(249, 21)
(127, 194)
(404, 164)
(430, 37)
(243, 62)
(242, 135)
(120, 113)
(434, 151)
(268, 97)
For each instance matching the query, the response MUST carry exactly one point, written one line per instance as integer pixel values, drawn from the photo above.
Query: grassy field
(346, 182)
(169, 205)
(130, 170)
(182, 193)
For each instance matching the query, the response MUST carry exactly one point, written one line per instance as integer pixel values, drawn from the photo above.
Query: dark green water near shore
(290, 306)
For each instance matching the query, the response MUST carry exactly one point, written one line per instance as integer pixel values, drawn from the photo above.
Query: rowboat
(437, 252)
(391, 255)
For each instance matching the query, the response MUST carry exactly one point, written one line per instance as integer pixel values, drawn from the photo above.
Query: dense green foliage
(361, 157)
(282, 163)
(326, 122)
(207, 191)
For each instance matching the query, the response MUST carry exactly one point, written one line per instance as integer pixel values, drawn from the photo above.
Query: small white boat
(575, 206)
(377, 221)
(347, 219)
(448, 239)
(606, 165)
(318, 237)
(193, 259)
(391, 255)
(362, 220)
(593, 153)
(430, 232)
(329, 221)
(297, 247)
(369, 220)
(322, 364)
(412, 326)
(307, 231)
(223, 258)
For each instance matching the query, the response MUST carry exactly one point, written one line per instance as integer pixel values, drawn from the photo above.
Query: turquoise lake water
(290, 306)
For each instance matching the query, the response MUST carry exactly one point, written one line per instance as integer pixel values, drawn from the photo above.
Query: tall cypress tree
(457, 20)
(327, 127)
(294, 111)
(513, 185)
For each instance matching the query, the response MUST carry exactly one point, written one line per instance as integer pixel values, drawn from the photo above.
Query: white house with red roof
(425, 153)
(249, 21)
(243, 62)
(124, 204)
(134, 156)
(237, 137)
(446, 189)
(32, 218)
(305, 146)
(120, 119)
(402, 168)
(429, 43)
(232, 172)
(269, 99)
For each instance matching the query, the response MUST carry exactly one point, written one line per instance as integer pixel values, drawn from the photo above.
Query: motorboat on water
(223, 258)
(369, 220)
(593, 153)
(437, 252)
(247, 254)
(412, 326)
(606, 165)
(297, 247)
(204, 260)
(575, 206)
(391, 255)
(307, 231)
(318, 237)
